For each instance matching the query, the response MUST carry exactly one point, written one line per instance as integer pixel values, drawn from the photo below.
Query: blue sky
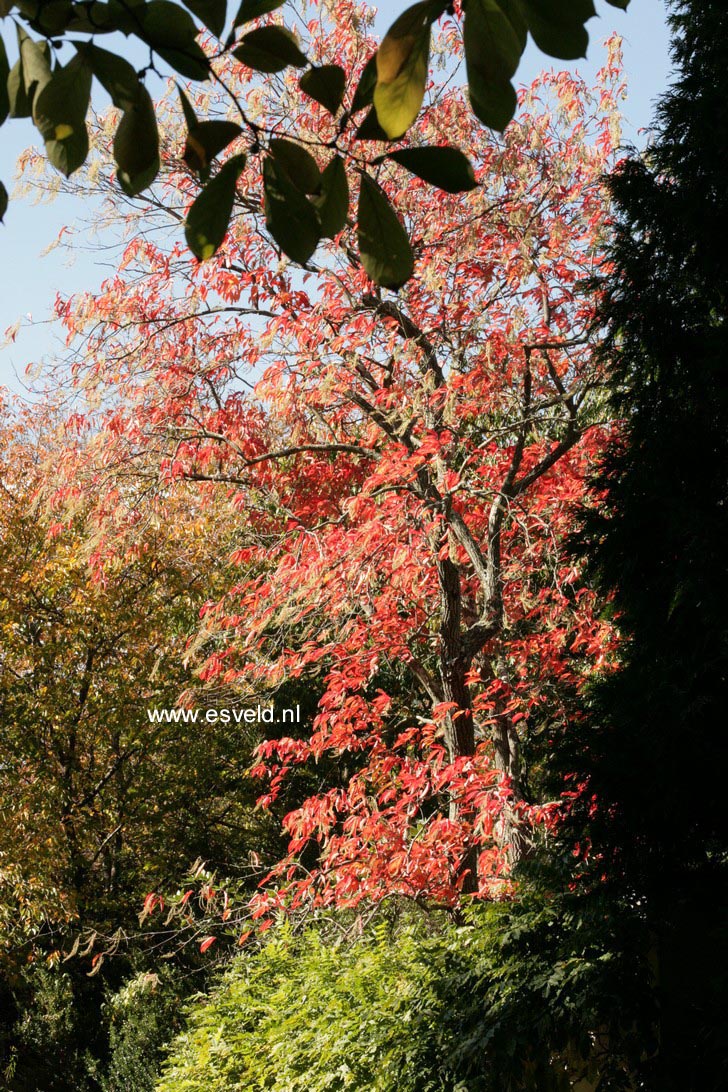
(31, 281)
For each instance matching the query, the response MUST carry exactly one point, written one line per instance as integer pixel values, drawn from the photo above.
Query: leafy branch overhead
(302, 204)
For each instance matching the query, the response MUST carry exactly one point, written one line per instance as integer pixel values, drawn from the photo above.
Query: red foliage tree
(401, 466)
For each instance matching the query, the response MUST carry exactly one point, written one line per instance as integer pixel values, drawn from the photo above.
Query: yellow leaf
(402, 64)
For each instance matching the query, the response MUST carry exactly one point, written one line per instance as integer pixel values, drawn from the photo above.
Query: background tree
(656, 735)
(99, 805)
(405, 466)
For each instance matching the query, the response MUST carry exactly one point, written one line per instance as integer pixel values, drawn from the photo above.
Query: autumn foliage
(399, 468)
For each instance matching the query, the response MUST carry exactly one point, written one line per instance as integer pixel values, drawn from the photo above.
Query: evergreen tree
(657, 740)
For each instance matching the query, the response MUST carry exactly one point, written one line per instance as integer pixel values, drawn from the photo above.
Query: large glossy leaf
(364, 94)
(253, 9)
(206, 141)
(370, 129)
(444, 167)
(4, 73)
(299, 165)
(209, 217)
(50, 18)
(18, 101)
(333, 200)
(290, 217)
(402, 62)
(269, 49)
(59, 112)
(171, 32)
(35, 64)
(167, 25)
(557, 26)
(383, 244)
(116, 76)
(326, 84)
(495, 35)
(136, 146)
(211, 13)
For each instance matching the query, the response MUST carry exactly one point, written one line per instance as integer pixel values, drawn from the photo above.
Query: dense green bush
(519, 996)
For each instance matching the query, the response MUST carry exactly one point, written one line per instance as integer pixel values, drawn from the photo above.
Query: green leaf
(290, 217)
(253, 9)
(299, 165)
(59, 112)
(3, 202)
(364, 94)
(557, 26)
(206, 141)
(211, 13)
(166, 25)
(4, 74)
(116, 76)
(136, 146)
(623, 4)
(34, 63)
(333, 200)
(326, 84)
(495, 36)
(209, 217)
(191, 61)
(18, 100)
(383, 244)
(171, 32)
(402, 63)
(370, 129)
(444, 167)
(269, 49)
(100, 18)
(50, 18)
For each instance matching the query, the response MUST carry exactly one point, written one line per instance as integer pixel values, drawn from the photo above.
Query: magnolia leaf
(136, 146)
(116, 76)
(18, 100)
(4, 74)
(299, 165)
(383, 244)
(211, 13)
(253, 9)
(99, 18)
(326, 84)
(364, 94)
(495, 36)
(171, 32)
(209, 217)
(402, 62)
(35, 64)
(557, 26)
(191, 119)
(370, 129)
(333, 200)
(444, 167)
(269, 49)
(206, 141)
(290, 217)
(50, 18)
(166, 25)
(3, 202)
(191, 61)
(59, 113)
